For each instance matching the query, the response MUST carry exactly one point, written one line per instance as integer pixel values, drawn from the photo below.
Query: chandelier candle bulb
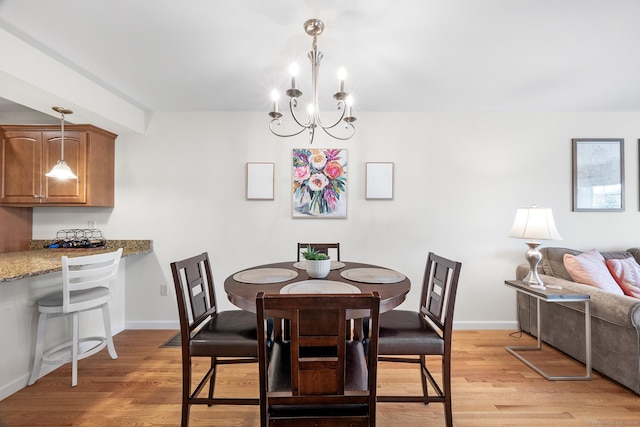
(342, 75)
(293, 69)
(274, 97)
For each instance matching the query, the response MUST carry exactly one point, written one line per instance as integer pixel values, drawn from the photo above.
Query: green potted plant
(317, 264)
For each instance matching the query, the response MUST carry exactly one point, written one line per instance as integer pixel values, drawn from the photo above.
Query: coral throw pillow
(627, 273)
(590, 268)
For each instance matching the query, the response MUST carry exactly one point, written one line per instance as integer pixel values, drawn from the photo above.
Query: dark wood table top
(243, 295)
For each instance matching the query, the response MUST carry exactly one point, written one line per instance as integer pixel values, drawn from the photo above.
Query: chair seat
(228, 334)
(280, 367)
(406, 332)
(55, 299)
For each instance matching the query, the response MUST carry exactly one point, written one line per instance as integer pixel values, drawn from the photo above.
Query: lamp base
(533, 257)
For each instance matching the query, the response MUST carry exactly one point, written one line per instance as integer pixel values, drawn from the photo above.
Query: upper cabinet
(28, 152)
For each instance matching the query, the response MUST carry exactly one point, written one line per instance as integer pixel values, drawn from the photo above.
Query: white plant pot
(317, 269)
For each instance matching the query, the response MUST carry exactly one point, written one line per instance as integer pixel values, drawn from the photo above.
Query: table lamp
(534, 224)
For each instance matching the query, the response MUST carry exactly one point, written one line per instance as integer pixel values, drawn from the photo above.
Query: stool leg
(37, 360)
(106, 316)
(74, 349)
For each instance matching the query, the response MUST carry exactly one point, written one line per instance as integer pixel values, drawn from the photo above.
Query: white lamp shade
(61, 171)
(534, 223)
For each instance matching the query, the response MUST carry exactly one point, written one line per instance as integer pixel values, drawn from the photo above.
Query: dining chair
(206, 332)
(88, 283)
(321, 247)
(424, 332)
(322, 376)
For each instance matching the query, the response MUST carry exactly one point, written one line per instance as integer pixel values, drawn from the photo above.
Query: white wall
(459, 178)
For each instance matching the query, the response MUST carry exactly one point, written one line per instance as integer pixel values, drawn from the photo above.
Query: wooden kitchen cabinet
(28, 152)
(15, 228)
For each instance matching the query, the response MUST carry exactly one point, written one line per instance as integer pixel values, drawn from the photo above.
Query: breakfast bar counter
(39, 261)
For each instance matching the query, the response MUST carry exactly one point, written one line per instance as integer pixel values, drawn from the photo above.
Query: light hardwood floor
(490, 388)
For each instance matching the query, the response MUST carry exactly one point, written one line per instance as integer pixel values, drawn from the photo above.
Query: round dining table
(243, 286)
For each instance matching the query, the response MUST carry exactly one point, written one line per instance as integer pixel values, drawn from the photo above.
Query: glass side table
(552, 295)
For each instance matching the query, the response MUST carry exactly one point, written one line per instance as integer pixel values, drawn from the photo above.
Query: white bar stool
(87, 284)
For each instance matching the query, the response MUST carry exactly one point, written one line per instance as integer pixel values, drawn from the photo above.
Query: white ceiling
(401, 55)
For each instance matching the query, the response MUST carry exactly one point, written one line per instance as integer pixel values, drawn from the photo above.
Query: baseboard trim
(14, 386)
(485, 325)
(154, 324)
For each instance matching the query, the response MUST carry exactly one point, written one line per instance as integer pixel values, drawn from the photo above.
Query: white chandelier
(314, 28)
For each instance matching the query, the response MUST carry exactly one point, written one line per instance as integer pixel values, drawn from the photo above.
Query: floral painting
(320, 183)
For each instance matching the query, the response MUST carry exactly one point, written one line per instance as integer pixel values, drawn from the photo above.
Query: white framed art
(379, 181)
(260, 178)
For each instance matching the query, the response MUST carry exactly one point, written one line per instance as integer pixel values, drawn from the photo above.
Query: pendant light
(61, 170)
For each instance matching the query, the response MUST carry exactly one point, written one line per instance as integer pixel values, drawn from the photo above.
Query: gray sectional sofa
(615, 320)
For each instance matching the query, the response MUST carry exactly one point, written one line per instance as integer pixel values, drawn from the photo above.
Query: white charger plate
(373, 275)
(335, 265)
(265, 275)
(319, 287)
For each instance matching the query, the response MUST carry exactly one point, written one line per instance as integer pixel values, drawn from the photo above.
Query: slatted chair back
(440, 286)
(331, 249)
(194, 291)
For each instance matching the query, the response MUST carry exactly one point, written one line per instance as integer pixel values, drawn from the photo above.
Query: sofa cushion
(635, 252)
(553, 259)
(626, 273)
(553, 262)
(590, 268)
(617, 254)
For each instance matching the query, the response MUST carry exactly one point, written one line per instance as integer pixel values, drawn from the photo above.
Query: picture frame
(260, 180)
(379, 180)
(598, 174)
(319, 182)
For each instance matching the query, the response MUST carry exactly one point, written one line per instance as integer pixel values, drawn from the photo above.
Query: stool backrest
(84, 274)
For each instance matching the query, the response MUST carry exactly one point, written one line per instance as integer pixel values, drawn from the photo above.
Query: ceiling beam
(35, 80)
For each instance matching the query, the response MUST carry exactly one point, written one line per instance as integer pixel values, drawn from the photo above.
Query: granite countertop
(38, 261)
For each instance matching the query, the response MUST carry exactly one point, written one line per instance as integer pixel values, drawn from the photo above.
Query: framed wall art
(598, 175)
(379, 181)
(319, 181)
(260, 181)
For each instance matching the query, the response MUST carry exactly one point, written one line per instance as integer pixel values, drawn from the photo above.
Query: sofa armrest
(618, 309)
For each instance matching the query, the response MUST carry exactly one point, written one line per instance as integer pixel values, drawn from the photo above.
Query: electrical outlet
(163, 290)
